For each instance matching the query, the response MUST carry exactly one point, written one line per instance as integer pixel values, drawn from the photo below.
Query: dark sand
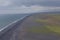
(22, 33)
(29, 22)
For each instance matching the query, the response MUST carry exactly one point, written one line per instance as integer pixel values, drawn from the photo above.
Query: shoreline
(11, 25)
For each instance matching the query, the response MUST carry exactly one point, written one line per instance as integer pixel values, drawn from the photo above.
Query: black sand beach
(29, 30)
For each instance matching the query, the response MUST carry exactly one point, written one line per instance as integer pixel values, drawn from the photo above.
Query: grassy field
(51, 23)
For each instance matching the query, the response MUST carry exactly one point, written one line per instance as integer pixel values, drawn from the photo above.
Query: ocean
(6, 19)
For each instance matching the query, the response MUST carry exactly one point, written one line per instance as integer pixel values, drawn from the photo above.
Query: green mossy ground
(52, 24)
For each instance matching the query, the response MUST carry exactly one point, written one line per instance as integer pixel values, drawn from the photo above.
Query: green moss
(51, 25)
(54, 28)
(41, 20)
(39, 30)
(45, 29)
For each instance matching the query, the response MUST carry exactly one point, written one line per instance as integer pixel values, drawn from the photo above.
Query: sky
(28, 6)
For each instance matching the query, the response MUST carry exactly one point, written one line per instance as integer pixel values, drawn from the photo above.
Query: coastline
(11, 25)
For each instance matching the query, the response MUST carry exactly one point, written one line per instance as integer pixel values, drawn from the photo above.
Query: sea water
(6, 19)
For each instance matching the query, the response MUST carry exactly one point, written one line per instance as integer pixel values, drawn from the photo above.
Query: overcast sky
(28, 6)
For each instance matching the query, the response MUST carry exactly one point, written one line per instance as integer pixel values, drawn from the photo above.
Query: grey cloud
(18, 3)
(34, 2)
(20, 6)
(37, 2)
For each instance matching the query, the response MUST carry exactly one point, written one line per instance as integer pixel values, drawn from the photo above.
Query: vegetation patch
(54, 28)
(52, 24)
(39, 30)
(45, 29)
(41, 20)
